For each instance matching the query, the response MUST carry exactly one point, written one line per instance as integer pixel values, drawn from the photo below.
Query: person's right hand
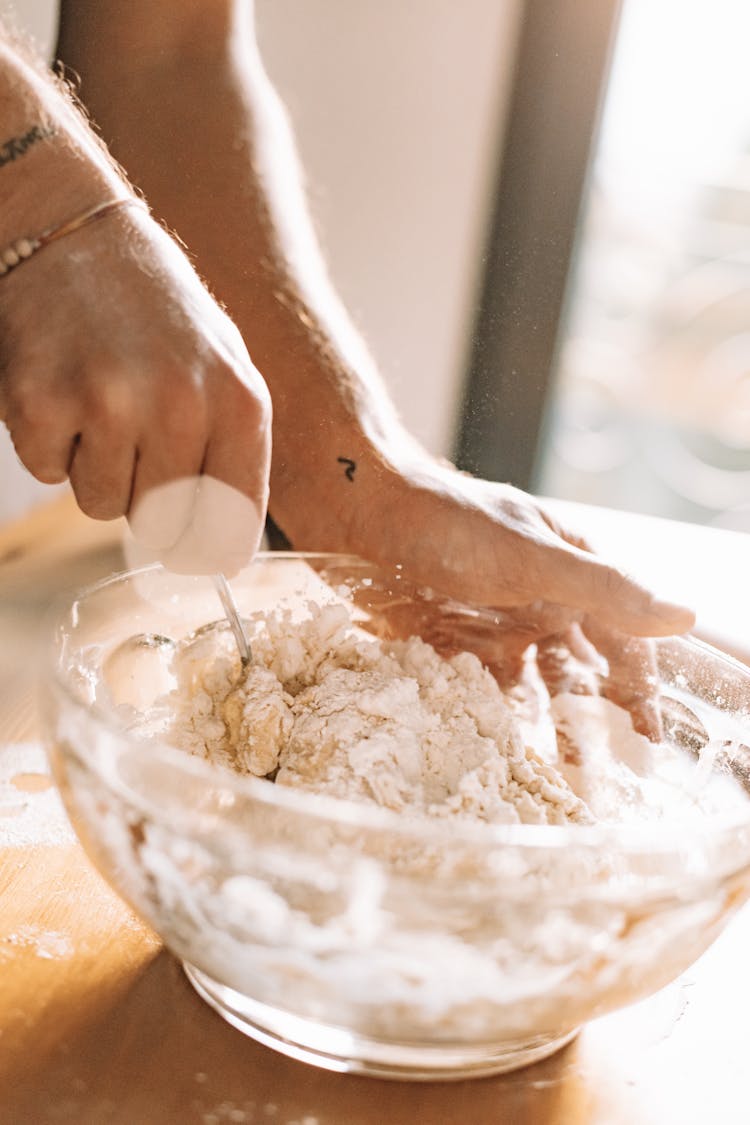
(120, 371)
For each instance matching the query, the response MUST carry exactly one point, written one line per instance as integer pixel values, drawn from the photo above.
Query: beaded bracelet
(23, 248)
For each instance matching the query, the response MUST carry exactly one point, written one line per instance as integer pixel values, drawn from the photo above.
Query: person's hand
(495, 545)
(513, 578)
(542, 647)
(120, 371)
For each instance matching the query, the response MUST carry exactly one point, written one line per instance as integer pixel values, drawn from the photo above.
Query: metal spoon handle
(233, 617)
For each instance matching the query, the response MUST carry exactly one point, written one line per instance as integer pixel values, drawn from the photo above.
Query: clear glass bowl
(356, 939)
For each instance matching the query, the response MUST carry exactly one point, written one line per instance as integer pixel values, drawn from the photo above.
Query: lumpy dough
(326, 707)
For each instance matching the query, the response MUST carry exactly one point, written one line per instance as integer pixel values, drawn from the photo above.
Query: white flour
(29, 814)
(329, 708)
(386, 722)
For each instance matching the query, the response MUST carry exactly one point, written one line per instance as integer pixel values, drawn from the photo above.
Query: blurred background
(538, 213)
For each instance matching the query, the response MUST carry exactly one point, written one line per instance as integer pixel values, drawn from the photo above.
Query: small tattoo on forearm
(351, 467)
(17, 147)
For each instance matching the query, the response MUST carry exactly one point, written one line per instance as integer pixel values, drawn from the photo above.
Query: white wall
(397, 106)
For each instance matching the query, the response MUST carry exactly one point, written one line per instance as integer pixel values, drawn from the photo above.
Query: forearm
(329, 401)
(338, 443)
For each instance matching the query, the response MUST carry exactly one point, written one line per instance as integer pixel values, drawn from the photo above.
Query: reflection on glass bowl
(359, 939)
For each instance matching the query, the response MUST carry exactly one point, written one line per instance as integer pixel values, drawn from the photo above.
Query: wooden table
(97, 1023)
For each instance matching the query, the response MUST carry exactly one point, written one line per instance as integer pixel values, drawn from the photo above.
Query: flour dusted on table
(326, 707)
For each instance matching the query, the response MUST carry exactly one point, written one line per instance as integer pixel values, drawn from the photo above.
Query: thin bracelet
(23, 248)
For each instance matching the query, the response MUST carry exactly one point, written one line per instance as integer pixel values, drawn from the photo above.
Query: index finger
(581, 580)
(578, 577)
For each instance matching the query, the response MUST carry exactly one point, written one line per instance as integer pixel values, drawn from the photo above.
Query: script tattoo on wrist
(351, 467)
(16, 147)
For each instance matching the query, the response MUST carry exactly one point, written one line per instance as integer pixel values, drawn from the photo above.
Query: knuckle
(255, 401)
(240, 401)
(182, 409)
(28, 408)
(109, 403)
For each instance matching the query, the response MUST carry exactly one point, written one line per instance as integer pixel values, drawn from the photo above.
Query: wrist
(53, 167)
(50, 192)
(341, 465)
(322, 491)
